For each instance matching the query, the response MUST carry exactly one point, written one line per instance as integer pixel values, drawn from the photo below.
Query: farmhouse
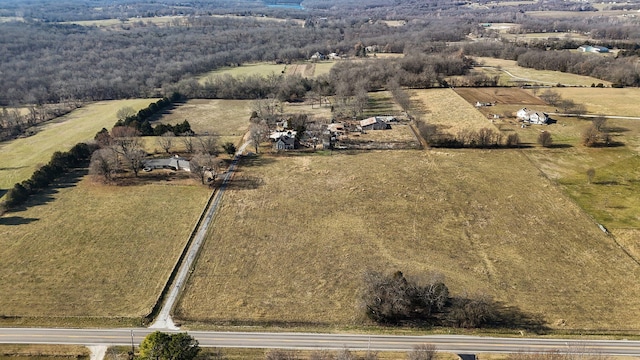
(532, 117)
(285, 142)
(376, 123)
(593, 49)
(172, 163)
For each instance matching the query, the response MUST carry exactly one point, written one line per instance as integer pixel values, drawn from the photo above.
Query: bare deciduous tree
(165, 141)
(591, 173)
(590, 136)
(208, 144)
(126, 142)
(125, 112)
(550, 97)
(599, 122)
(204, 167)
(258, 133)
(544, 139)
(189, 144)
(103, 164)
(422, 352)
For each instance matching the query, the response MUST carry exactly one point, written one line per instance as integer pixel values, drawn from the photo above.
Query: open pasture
(227, 118)
(605, 101)
(612, 197)
(23, 156)
(292, 249)
(304, 69)
(512, 74)
(84, 253)
(447, 110)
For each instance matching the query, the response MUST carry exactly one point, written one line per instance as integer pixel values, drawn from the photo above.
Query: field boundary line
(165, 289)
(419, 138)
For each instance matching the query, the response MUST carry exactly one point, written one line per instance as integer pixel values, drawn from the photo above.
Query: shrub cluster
(60, 163)
(393, 300)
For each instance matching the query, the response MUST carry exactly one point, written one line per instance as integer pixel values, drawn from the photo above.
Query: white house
(532, 117)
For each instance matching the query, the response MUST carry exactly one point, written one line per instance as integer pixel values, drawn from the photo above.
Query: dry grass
(606, 101)
(305, 69)
(599, 15)
(84, 250)
(532, 76)
(23, 156)
(49, 352)
(227, 118)
(612, 199)
(449, 111)
(262, 69)
(293, 249)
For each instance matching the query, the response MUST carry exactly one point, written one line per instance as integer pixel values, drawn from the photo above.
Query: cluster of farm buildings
(286, 139)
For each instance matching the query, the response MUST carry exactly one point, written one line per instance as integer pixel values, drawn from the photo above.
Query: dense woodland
(45, 61)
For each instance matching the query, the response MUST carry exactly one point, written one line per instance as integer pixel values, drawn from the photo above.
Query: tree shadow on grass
(46, 195)
(16, 220)
(244, 182)
(254, 161)
(560, 146)
(512, 317)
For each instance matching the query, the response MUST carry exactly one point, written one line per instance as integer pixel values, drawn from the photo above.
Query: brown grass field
(450, 112)
(85, 251)
(293, 250)
(43, 352)
(227, 118)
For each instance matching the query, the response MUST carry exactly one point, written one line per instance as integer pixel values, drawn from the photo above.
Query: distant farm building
(593, 49)
(377, 123)
(532, 117)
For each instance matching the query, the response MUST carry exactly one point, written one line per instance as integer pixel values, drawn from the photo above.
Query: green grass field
(60, 134)
(84, 251)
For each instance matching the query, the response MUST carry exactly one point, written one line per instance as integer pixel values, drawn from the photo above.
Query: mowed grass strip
(87, 250)
(21, 157)
(293, 248)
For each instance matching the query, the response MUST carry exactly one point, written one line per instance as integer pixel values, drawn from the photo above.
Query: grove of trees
(392, 300)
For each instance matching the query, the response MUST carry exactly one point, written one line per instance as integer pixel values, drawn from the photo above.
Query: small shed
(374, 123)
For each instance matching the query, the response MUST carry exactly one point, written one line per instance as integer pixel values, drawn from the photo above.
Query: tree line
(141, 121)
(60, 164)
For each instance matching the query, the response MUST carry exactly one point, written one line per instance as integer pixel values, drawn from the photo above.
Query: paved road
(163, 320)
(448, 343)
